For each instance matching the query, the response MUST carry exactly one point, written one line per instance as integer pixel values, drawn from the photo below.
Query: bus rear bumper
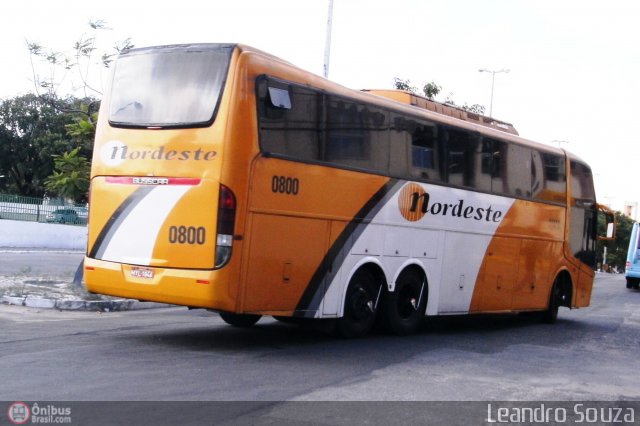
(187, 287)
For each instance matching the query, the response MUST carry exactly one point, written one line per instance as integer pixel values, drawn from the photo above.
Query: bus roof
(443, 108)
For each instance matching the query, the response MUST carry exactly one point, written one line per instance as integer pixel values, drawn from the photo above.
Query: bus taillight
(226, 222)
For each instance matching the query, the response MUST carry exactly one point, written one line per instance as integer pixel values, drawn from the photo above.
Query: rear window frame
(185, 125)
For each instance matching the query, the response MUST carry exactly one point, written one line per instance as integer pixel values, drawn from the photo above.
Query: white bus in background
(632, 270)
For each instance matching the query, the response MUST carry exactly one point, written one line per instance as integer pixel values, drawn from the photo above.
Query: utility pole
(327, 43)
(493, 80)
(559, 142)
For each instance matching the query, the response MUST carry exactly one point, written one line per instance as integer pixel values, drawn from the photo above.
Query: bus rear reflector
(226, 223)
(151, 180)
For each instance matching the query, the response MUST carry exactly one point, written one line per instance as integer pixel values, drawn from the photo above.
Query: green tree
(31, 132)
(475, 108)
(431, 90)
(70, 178)
(617, 248)
(82, 130)
(401, 84)
(76, 71)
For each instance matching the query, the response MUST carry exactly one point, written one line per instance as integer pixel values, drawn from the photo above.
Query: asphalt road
(176, 354)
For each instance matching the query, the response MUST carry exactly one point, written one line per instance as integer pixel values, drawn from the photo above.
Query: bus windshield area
(172, 86)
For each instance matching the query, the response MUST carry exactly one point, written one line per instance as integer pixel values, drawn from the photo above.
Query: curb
(82, 305)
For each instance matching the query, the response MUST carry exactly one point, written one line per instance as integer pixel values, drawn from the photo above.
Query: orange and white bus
(228, 179)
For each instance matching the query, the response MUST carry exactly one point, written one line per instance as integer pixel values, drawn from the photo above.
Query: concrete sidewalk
(50, 294)
(63, 290)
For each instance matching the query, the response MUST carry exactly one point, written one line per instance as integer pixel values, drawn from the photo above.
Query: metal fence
(52, 210)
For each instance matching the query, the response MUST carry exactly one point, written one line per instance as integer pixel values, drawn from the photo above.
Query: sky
(574, 65)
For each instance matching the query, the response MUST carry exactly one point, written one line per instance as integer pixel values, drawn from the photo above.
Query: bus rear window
(171, 86)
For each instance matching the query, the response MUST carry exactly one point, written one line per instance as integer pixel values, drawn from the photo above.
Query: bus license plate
(142, 273)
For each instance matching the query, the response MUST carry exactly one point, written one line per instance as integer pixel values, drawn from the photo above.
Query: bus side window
(424, 151)
(289, 119)
(549, 177)
(415, 144)
(460, 149)
(400, 146)
(279, 98)
(487, 166)
(357, 135)
(518, 171)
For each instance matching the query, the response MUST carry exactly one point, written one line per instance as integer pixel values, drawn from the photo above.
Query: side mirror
(610, 221)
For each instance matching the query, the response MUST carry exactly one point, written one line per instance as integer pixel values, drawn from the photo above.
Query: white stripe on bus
(135, 239)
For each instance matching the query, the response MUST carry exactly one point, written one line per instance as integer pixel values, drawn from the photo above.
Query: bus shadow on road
(221, 337)
(482, 333)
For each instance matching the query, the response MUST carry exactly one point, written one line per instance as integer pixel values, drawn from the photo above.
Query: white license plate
(142, 273)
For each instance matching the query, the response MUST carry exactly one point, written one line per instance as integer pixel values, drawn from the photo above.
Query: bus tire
(240, 320)
(360, 305)
(403, 309)
(550, 316)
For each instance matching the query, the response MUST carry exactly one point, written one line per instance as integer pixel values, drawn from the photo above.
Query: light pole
(327, 42)
(493, 80)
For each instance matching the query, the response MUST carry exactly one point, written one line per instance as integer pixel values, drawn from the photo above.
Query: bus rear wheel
(360, 305)
(404, 308)
(239, 320)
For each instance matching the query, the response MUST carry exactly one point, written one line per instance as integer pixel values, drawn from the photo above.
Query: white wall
(22, 234)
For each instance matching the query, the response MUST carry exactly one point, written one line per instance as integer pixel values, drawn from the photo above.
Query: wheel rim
(361, 305)
(558, 296)
(408, 301)
(410, 296)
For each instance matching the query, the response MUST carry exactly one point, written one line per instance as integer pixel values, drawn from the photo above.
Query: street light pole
(493, 80)
(327, 43)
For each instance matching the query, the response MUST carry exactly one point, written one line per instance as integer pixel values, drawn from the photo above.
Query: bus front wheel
(239, 320)
(359, 305)
(550, 316)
